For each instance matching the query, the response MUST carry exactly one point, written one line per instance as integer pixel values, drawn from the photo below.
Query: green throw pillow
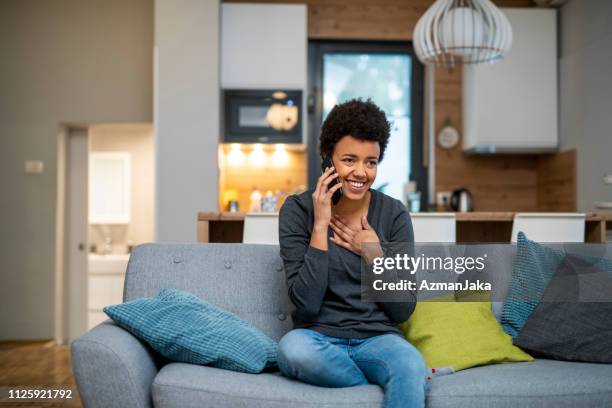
(460, 335)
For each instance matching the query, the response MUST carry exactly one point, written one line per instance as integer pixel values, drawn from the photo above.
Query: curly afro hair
(361, 119)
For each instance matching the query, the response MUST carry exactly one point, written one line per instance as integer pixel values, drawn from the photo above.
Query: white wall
(186, 114)
(586, 94)
(62, 61)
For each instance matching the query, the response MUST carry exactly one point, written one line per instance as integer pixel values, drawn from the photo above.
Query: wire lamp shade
(462, 31)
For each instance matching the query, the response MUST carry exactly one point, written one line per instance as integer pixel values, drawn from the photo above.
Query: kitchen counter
(471, 227)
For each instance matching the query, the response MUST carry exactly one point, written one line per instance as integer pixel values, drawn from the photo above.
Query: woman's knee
(306, 355)
(296, 349)
(410, 361)
(404, 357)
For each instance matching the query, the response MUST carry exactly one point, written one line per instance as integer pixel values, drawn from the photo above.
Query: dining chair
(260, 228)
(434, 227)
(549, 227)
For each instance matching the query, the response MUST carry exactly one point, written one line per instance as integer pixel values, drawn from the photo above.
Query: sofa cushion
(460, 334)
(183, 385)
(182, 327)
(541, 383)
(534, 267)
(574, 319)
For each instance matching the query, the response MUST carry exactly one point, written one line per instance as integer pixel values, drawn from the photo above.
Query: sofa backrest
(247, 280)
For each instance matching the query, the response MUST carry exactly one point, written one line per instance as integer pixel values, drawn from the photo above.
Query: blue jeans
(387, 360)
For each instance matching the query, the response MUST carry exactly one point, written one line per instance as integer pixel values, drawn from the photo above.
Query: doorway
(388, 73)
(105, 206)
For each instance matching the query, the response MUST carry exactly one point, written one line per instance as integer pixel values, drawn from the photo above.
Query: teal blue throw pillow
(182, 327)
(534, 268)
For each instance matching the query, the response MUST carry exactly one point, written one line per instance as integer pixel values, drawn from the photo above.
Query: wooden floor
(36, 366)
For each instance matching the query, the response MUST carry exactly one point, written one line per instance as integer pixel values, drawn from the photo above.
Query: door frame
(66, 302)
(316, 49)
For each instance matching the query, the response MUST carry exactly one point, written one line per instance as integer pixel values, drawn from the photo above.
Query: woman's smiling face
(356, 162)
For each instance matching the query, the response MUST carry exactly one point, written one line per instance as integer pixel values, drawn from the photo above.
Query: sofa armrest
(112, 368)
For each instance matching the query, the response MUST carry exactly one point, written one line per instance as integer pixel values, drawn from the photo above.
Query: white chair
(260, 228)
(549, 227)
(434, 227)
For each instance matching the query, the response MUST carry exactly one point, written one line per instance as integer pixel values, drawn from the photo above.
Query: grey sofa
(114, 369)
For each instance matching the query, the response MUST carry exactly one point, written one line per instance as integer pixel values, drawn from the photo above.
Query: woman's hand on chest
(351, 236)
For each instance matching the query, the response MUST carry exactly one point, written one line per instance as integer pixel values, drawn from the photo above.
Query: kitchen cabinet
(511, 106)
(263, 46)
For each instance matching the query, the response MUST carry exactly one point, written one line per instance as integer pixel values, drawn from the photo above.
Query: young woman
(339, 340)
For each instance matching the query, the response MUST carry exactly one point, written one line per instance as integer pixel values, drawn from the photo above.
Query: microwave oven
(262, 116)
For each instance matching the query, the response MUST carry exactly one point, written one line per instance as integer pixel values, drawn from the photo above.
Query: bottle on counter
(412, 197)
(233, 206)
(255, 204)
(269, 202)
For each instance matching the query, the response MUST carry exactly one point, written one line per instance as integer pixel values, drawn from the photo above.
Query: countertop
(479, 226)
(476, 216)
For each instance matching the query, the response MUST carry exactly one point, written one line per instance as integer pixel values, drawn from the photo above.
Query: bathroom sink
(111, 263)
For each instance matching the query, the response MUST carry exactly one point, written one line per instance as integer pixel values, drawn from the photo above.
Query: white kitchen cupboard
(511, 106)
(263, 46)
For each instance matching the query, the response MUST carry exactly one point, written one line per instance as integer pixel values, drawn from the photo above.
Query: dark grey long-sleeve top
(325, 286)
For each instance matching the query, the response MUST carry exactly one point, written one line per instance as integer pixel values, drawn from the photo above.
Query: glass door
(391, 76)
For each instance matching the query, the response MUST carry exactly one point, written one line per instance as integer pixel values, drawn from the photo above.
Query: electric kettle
(461, 200)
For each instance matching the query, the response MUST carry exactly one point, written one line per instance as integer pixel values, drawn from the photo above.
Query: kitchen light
(235, 157)
(280, 157)
(258, 157)
(462, 31)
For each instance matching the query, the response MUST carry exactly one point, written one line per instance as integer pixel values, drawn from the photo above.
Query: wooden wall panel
(391, 20)
(556, 181)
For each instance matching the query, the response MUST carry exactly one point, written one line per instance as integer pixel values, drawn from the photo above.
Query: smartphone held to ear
(327, 162)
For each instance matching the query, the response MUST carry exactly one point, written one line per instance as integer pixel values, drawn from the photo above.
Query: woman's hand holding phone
(322, 198)
(322, 202)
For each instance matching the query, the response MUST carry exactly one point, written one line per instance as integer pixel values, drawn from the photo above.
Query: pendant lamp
(462, 31)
